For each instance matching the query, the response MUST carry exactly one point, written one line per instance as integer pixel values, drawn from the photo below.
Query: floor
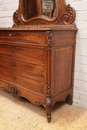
(19, 114)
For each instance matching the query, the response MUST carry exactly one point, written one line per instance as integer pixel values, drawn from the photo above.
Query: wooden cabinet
(37, 62)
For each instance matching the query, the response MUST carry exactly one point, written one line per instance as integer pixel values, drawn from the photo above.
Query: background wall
(7, 7)
(80, 79)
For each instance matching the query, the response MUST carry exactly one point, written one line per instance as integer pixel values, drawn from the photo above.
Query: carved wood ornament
(66, 15)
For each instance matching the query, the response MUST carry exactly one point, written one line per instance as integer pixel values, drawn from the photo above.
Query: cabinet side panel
(61, 69)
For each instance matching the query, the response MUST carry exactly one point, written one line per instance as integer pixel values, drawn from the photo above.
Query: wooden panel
(30, 54)
(61, 69)
(63, 37)
(32, 96)
(32, 83)
(22, 66)
(35, 37)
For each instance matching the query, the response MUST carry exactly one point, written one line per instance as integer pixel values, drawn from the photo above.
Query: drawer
(35, 37)
(30, 83)
(31, 54)
(6, 35)
(22, 66)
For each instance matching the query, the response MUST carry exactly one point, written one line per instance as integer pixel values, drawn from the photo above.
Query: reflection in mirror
(43, 8)
(49, 8)
(29, 9)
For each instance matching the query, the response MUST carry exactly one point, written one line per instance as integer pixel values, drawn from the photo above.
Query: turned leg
(48, 109)
(69, 100)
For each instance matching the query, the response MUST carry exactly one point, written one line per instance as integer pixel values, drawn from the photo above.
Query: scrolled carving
(49, 89)
(49, 37)
(16, 19)
(68, 17)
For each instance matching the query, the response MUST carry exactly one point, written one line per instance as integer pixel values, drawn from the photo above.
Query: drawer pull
(11, 34)
(14, 91)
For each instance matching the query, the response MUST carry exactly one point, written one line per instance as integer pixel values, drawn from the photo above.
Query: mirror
(43, 12)
(48, 9)
(29, 9)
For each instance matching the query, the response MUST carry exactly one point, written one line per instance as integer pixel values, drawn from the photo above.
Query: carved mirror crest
(34, 12)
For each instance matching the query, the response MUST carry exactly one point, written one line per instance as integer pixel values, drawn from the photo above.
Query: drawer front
(35, 37)
(22, 66)
(30, 83)
(30, 54)
(6, 35)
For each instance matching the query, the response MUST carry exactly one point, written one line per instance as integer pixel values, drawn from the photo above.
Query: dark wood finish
(37, 61)
(66, 15)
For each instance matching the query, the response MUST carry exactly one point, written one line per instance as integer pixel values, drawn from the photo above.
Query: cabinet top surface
(41, 28)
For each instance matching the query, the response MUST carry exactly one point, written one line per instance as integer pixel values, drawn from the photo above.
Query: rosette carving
(68, 17)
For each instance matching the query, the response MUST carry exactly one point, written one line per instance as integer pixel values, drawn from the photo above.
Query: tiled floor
(19, 114)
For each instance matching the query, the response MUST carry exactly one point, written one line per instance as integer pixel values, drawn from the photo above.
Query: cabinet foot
(69, 100)
(48, 119)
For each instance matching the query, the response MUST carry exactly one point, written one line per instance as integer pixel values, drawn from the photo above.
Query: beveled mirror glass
(47, 9)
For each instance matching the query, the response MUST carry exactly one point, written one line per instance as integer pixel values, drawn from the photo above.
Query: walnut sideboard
(37, 63)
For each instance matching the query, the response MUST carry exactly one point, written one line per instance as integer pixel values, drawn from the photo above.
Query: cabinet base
(18, 92)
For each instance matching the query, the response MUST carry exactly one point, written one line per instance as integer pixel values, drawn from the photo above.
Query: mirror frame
(66, 15)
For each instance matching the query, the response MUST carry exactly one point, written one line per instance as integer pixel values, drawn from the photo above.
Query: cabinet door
(62, 65)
